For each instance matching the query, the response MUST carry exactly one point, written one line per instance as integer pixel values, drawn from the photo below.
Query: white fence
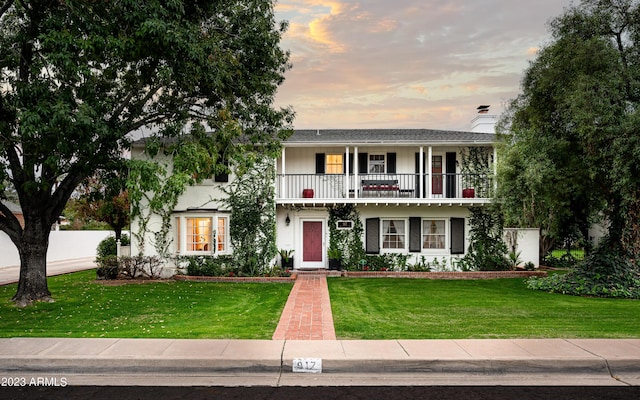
(63, 245)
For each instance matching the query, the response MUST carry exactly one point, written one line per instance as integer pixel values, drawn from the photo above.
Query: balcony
(374, 188)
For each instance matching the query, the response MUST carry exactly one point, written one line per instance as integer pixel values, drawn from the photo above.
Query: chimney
(484, 122)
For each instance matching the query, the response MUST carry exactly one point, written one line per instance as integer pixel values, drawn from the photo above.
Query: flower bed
(237, 279)
(444, 275)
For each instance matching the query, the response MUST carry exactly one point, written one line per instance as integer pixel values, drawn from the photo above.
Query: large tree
(78, 77)
(572, 149)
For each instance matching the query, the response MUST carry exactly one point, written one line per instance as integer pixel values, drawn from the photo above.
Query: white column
(355, 171)
(346, 173)
(429, 173)
(421, 173)
(283, 186)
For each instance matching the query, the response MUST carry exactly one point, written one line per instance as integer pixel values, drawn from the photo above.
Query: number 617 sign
(310, 365)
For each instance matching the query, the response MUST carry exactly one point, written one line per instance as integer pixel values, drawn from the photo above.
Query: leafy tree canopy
(77, 77)
(572, 144)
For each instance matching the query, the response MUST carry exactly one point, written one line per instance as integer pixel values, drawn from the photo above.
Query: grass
(578, 254)
(374, 308)
(186, 310)
(501, 308)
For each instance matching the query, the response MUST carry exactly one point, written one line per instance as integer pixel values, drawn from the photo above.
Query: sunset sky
(407, 63)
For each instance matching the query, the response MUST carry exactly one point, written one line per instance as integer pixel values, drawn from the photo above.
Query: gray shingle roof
(377, 136)
(391, 136)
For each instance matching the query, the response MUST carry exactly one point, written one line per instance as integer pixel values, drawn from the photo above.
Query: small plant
(334, 254)
(285, 255)
(286, 258)
(514, 259)
(335, 258)
(529, 266)
(421, 265)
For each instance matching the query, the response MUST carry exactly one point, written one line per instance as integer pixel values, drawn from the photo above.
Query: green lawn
(86, 308)
(503, 308)
(374, 308)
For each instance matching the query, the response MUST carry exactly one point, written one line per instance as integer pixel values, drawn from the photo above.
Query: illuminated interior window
(334, 164)
(199, 234)
(222, 234)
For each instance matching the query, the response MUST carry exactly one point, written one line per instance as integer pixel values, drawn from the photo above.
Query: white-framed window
(223, 235)
(202, 234)
(433, 234)
(334, 164)
(377, 164)
(199, 234)
(394, 234)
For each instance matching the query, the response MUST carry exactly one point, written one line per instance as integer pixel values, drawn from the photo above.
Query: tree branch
(9, 224)
(5, 7)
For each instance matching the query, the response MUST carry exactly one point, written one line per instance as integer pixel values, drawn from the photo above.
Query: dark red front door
(436, 178)
(312, 241)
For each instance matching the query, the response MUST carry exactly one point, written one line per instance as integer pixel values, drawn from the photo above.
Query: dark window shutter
(418, 178)
(391, 163)
(457, 235)
(451, 175)
(222, 177)
(363, 163)
(320, 163)
(373, 235)
(415, 234)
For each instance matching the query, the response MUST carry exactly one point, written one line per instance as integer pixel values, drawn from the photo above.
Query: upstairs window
(334, 164)
(376, 164)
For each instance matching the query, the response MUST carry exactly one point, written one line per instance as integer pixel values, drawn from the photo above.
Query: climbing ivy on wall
(347, 241)
(251, 198)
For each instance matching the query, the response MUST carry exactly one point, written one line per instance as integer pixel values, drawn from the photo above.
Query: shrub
(208, 266)
(112, 267)
(565, 261)
(107, 267)
(604, 273)
(136, 266)
(108, 247)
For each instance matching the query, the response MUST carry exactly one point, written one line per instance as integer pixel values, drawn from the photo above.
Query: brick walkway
(307, 314)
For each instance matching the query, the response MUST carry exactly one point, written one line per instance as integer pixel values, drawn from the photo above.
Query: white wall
(528, 244)
(63, 245)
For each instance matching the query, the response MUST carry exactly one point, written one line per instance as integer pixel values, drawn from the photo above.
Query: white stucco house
(409, 186)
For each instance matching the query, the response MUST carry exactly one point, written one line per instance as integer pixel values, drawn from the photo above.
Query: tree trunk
(34, 243)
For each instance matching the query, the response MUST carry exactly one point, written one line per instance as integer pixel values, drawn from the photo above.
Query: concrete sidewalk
(11, 274)
(167, 362)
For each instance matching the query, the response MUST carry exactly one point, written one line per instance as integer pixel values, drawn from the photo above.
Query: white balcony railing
(397, 186)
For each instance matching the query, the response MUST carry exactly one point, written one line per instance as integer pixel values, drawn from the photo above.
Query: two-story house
(410, 187)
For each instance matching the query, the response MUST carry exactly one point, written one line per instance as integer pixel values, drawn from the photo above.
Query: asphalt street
(323, 393)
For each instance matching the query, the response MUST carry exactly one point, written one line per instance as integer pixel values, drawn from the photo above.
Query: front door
(312, 244)
(436, 177)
